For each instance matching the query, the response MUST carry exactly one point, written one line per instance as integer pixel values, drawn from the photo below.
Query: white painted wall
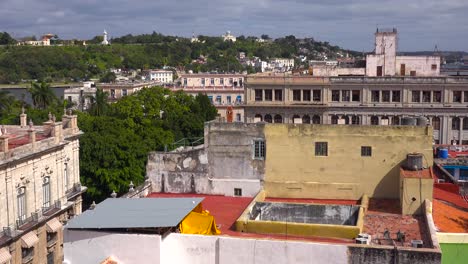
(83, 247)
(181, 249)
(250, 188)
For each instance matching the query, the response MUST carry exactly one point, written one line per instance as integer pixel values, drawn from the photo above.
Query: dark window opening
(237, 192)
(268, 95)
(386, 96)
(437, 96)
(415, 96)
(366, 151)
(317, 95)
(306, 95)
(321, 148)
(396, 96)
(278, 95)
(296, 95)
(335, 95)
(356, 96)
(258, 95)
(259, 149)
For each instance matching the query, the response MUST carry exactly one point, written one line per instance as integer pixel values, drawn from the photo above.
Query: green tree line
(75, 63)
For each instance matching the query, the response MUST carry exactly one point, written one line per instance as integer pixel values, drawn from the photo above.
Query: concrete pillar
(23, 119)
(32, 137)
(3, 143)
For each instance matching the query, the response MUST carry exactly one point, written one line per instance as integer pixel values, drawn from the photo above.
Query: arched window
(374, 120)
(355, 120)
(278, 119)
(455, 123)
(395, 120)
(334, 120)
(436, 123)
(346, 119)
(295, 117)
(46, 192)
(316, 120)
(21, 200)
(306, 119)
(268, 118)
(258, 118)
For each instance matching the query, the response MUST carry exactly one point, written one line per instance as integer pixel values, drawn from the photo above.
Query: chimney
(23, 118)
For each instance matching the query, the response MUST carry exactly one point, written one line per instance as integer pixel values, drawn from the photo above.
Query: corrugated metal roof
(135, 213)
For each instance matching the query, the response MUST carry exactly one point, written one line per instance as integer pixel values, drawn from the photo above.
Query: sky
(421, 24)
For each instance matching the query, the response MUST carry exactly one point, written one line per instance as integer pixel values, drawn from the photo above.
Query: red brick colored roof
(385, 214)
(450, 196)
(448, 218)
(226, 210)
(425, 173)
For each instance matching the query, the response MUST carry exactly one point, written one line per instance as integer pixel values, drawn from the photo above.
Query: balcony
(76, 190)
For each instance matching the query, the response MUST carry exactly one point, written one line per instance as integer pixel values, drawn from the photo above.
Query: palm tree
(6, 100)
(99, 105)
(42, 95)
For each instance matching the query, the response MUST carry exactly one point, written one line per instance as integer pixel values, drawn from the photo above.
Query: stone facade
(41, 190)
(361, 101)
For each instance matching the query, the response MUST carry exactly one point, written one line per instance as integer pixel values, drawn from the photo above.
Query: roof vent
(417, 243)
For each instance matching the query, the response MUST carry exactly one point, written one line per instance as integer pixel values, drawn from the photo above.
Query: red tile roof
(449, 196)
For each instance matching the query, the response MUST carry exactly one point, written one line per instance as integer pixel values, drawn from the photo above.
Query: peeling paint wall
(223, 164)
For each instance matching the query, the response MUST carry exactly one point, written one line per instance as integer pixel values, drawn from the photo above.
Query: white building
(282, 63)
(105, 41)
(81, 97)
(39, 167)
(229, 37)
(163, 76)
(386, 62)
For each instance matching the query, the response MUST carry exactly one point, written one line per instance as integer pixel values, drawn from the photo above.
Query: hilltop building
(41, 189)
(45, 41)
(105, 41)
(229, 37)
(161, 76)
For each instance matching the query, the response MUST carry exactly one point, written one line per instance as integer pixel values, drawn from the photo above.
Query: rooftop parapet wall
(293, 170)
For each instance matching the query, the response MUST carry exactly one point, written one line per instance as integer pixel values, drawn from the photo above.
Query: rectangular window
(413, 73)
(221, 81)
(218, 99)
(228, 99)
(437, 96)
(457, 96)
(268, 95)
(124, 92)
(278, 95)
(212, 81)
(356, 95)
(238, 117)
(230, 81)
(203, 81)
(237, 192)
(46, 192)
(21, 199)
(366, 151)
(258, 95)
(317, 95)
(396, 96)
(210, 97)
(386, 96)
(434, 67)
(416, 96)
(379, 71)
(296, 95)
(305, 95)
(321, 148)
(112, 93)
(185, 81)
(259, 149)
(465, 96)
(426, 96)
(375, 96)
(345, 96)
(335, 95)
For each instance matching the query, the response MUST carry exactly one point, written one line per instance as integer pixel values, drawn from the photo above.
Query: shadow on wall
(389, 186)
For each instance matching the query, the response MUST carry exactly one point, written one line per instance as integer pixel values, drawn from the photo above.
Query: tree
(6, 100)
(99, 105)
(6, 39)
(42, 95)
(108, 77)
(265, 37)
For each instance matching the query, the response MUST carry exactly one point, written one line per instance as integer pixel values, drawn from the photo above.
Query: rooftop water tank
(443, 153)
(414, 161)
(408, 121)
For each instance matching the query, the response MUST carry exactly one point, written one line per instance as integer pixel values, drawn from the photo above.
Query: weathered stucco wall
(293, 170)
(224, 163)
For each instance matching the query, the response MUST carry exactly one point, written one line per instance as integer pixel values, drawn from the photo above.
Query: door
(402, 69)
(379, 70)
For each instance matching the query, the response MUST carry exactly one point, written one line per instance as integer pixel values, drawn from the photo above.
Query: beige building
(361, 101)
(224, 90)
(41, 190)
